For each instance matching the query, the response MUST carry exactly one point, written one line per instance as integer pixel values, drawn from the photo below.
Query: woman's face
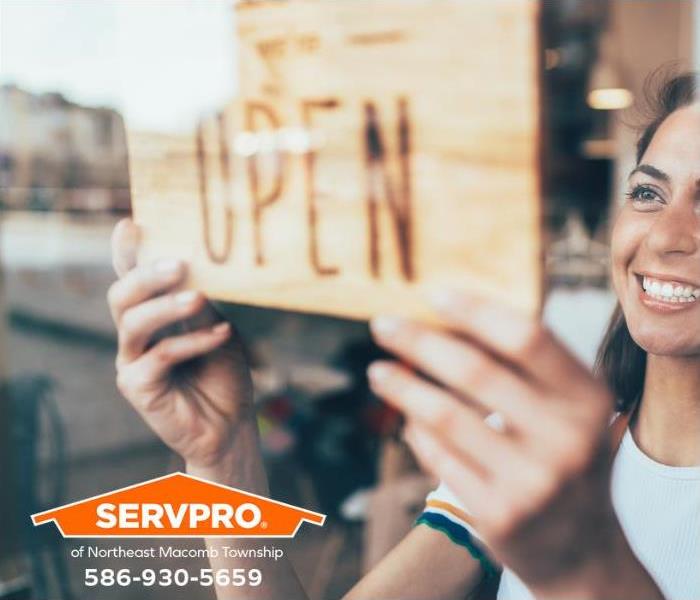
(656, 241)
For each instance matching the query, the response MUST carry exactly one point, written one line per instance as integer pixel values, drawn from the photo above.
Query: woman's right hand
(191, 386)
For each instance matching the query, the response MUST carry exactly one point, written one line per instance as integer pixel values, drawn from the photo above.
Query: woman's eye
(644, 195)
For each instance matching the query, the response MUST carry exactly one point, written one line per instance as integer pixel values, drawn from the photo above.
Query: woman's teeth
(669, 292)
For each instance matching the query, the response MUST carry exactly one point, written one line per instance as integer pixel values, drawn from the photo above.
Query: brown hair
(620, 361)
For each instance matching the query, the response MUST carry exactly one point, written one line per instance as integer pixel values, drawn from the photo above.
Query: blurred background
(71, 72)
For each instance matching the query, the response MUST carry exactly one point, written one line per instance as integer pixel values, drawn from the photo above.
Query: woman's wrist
(239, 464)
(614, 573)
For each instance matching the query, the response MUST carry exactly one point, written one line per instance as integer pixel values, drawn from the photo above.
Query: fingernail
(167, 266)
(378, 372)
(386, 326)
(221, 328)
(187, 297)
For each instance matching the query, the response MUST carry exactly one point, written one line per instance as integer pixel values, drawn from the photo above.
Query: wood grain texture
(378, 148)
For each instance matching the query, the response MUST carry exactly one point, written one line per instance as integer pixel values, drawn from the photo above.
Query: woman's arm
(242, 467)
(425, 565)
(193, 388)
(617, 574)
(538, 485)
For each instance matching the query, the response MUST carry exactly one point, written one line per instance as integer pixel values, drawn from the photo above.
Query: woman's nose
(675, 231)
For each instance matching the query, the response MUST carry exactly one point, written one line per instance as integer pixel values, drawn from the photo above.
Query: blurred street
(56, 273)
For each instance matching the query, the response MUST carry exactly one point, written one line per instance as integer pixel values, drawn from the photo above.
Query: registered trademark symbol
(263, 525)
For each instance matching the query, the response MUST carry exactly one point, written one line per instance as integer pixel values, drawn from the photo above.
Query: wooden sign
(377, 149)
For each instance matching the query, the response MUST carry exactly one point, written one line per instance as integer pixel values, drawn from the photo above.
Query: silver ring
(496, 422)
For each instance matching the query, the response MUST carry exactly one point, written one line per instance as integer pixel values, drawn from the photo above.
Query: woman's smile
(667, 294)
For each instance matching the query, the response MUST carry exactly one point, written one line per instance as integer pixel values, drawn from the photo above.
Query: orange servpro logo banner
(178, 505)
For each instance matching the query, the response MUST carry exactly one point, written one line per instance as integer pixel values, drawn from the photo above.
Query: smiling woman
(622, 360)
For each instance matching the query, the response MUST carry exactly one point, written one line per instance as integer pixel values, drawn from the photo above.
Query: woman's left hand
(538, 487)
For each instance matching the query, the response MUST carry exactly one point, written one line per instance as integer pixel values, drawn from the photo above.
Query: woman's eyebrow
(652, 172)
